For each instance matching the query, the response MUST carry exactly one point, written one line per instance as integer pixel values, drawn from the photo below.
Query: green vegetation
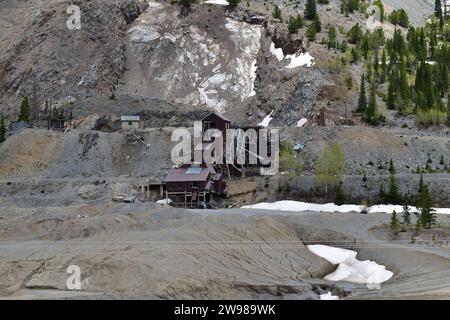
(340, 196)
(395, 224)
(295, 23)
(277, 13)
(311, 10)
(330, 166)
(399, 17)
(288, 161)
(24, 110)
(2, 129)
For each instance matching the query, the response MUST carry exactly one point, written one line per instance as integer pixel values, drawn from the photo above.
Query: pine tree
(376, 66)
(370, 115)
(421, 184)
(2, 129)
(391, 167)
(362, 101)
(311, 9)
(438, 8)
(311, 32)
(394, 221)
(317, 23)
(340, 197)
(332, 37)
(404, 86)
(234, 3)
(439, 13)
(24, 110)
(295, 24)
(393, 196)
(382, 193)
(277, 13)
(406, 214)
(427, 213)
(392, 93)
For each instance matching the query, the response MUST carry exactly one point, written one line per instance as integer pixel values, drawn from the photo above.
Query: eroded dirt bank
(145, 251)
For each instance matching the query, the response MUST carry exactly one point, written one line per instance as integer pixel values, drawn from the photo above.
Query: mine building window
(130, 123)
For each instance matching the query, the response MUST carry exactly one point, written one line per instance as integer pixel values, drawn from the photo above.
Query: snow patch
(328, 296)
(299, 60)
(349, 268)
(219, 2)
(288, 205)
(153, 4)
(164, 201)
(297, 206)
(277, 52)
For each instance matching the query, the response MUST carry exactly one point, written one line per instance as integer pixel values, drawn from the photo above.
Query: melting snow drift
(296, 206)
(328, 296)
(349, 268)
(219, 2)
(298, 59)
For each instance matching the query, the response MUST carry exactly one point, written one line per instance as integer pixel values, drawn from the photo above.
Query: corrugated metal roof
(130, 118)
(182, 175)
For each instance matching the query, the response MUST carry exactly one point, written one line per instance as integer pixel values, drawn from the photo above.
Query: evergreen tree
(295, 23)
(404, 86)
(311, 9)
(394, 222)
(234, 3)
(382, 193)
(311, 32)
(383, 67)
(393, 196)
(427, 213)
(438, 8)
(2, 129)
(371, 114)
(391, 167)
(24, 110)
(376, 66)
(277, 13)
(439, 13)
(340, 197)
(317, 23)
(332, 37)
(355, 34)
(421, 184)
(392, 93)
(406, 214)
(362, 101)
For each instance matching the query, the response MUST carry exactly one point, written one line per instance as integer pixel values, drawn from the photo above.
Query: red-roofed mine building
(189, 185)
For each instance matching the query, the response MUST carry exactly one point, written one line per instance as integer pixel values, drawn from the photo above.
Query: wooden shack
(189, 185)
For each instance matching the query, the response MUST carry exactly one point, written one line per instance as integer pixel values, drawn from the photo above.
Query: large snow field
(297, 206)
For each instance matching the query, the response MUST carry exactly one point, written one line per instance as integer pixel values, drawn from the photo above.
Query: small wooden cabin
(130, 122)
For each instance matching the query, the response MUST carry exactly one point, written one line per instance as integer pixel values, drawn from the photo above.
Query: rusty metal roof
(221, 116)
(189, 174)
